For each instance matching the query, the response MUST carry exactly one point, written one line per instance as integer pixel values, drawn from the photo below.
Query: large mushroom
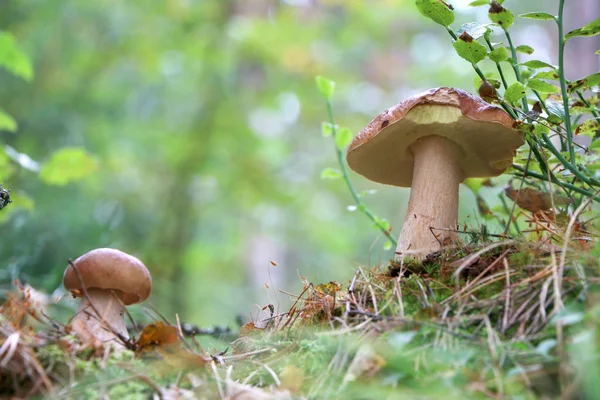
(112, 279)
(431, 142)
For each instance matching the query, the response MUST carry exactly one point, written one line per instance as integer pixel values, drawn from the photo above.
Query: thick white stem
(433, 203)
(88, 325)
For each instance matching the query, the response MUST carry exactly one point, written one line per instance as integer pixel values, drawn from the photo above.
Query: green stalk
(574, 188)
(451, 32)
(509, 110)
(550, 146)
(515, 65)
(509, 213)
(497, 64)
(533, 143)
(359, 204)
(563, 82)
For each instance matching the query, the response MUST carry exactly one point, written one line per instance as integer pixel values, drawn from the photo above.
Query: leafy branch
(342, 137)
(575, 174)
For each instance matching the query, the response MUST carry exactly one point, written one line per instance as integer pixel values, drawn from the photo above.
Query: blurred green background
(188, 134)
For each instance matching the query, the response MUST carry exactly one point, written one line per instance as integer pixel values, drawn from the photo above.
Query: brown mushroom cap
(381, 151)
(111, 269)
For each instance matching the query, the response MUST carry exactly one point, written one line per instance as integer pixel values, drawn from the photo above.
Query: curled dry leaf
(162, 338)
(157, 335)
(533, 200)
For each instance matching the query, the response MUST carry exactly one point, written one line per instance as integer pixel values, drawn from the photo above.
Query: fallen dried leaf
(534, 200)
(292, 378)
(157, 335)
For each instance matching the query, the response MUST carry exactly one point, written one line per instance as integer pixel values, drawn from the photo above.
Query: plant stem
(509, 213)
(509, 110)
(359, 204)
(533, 143)
(451, 32)
(550, 146)
(563, 82)
(497, 64)
(515, 65)
(572, 187)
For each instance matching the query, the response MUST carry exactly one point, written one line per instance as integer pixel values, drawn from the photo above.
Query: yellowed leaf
(155, 335)
(292, 378)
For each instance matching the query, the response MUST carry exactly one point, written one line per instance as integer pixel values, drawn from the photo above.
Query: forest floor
(491, 319)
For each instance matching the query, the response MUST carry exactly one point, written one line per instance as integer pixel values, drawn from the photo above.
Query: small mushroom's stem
(433, 200)
(90, 326)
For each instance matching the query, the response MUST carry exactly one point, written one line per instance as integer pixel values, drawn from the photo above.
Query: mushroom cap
(381, 151)
(111, 269)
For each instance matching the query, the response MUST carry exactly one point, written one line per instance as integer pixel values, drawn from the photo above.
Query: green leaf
(437, 10)
(555, 108)
(541, 86)
(479, 3)
(540, 129)
(398, 340)
(545, 347)
(13, 59)
(327, 129)
(474, 29)
(331, 174)
(547, 75)
(69, 164)
(584, 83)
(590, 128)
(514, 92)
(597, 52)
(592, 26)
(591, 29)
(525, 49)
(474, 184)
(537, 64)
(594, 145)
(325, 86)
(500, 15)
(387, 245)
(7, 123)
(526, 73)
(567, 316)
(538, 15)
(343, 137)
(499, 54)
(470, 49)
(382, 223)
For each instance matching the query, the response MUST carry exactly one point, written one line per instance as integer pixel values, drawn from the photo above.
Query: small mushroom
(112, 280)
(432, 142)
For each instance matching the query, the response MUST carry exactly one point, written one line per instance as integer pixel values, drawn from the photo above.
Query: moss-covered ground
(495, 319)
